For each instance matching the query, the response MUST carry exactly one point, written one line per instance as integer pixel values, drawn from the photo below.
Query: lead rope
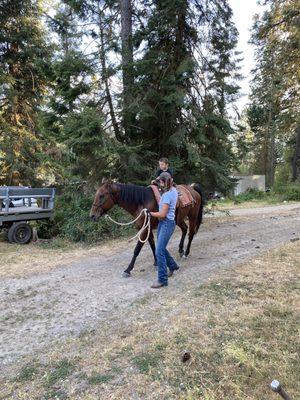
(146, 225)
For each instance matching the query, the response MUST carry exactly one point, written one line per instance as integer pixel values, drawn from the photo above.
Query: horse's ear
(103, 180)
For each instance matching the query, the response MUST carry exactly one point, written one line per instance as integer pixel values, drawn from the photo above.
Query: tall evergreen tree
(273, 114)
(72, 101)
(179, 114)
(24, 67)
(219, 67)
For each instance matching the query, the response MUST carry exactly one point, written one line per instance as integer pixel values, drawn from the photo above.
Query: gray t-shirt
(170, 197)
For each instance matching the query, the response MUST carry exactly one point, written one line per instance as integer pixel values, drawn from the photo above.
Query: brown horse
(133, 199)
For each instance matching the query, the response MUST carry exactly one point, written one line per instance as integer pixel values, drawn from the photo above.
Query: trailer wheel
(20, 233)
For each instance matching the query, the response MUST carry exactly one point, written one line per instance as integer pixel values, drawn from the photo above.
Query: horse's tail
(197, 187)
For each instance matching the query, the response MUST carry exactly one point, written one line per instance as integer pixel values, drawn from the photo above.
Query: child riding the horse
(164, 166)
(166, 227)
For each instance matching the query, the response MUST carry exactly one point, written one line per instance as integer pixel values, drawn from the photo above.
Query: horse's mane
(135, 194)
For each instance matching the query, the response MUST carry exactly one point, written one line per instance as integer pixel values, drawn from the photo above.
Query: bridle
(98, 206)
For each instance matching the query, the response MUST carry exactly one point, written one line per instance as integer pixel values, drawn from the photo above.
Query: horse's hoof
(184, 256)
(181, 254)
(126, 274)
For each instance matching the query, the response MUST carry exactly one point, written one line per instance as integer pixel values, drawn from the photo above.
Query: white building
(249, 181)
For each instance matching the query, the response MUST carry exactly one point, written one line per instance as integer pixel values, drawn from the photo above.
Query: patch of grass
(59, 372)
(98, 379)
(219, 291)
(146, 361)
(142, 301)
(22, 293)
(116, 370)
(160, 346)
(27, 373)
(125, 351)
(274, 311)
(55, 394)
(54, 244)
(180, 338)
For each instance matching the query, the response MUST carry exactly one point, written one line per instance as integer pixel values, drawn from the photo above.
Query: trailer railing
(36, 203)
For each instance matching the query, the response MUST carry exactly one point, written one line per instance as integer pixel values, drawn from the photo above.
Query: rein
(146, 225)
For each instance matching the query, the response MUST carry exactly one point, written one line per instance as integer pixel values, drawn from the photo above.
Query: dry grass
(256, 203)
(46, 255)
(240, 329)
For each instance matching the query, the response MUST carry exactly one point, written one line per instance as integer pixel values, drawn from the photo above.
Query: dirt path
(41, 309)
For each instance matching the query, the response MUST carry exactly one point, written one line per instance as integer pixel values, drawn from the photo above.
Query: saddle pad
(185, 197)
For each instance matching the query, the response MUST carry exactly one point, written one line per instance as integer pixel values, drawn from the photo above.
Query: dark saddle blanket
(185, 197)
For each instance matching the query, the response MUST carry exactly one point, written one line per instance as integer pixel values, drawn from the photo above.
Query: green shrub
(72, 220)
(290, 192)
(47, 229)
(250, 194)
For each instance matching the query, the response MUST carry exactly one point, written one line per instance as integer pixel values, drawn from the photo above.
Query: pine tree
(24, 67)
(70, 120)
(273, 113)
(220, 71)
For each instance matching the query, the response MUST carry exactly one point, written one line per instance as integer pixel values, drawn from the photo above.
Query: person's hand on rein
(148, 212)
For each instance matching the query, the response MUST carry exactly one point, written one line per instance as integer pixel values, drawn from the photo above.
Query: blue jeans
(166, 228)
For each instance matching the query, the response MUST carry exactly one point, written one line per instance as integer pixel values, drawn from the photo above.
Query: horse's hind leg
(137, 250)
(183, 226)
(192, 229)
(152, 245)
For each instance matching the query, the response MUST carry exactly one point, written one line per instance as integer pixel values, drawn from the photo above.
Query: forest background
(103, 88)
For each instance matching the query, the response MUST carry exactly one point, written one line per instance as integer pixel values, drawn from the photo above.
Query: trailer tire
(20, 233)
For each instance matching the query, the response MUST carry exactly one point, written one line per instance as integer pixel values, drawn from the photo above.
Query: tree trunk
(296, 158)
(105, 80)
(127, 65)
(270, 159)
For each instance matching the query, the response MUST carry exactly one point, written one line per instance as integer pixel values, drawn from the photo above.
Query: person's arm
(162, 213)
(154, 181)
(158, 172)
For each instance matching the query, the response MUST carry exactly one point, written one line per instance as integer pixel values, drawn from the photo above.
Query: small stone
(295, 239)
(185, 357)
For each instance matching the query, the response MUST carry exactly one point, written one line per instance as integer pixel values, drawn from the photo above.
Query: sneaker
(157, 285)
(171, 272)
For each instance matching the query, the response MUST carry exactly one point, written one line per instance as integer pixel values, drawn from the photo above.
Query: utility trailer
(19, 205)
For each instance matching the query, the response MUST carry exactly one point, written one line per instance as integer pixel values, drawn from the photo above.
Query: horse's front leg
(152, 245)
(137, 250)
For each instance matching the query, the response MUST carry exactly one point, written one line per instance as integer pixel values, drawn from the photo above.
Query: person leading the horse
(166, 227)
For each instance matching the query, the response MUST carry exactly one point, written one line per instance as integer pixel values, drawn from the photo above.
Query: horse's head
(103, 200)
